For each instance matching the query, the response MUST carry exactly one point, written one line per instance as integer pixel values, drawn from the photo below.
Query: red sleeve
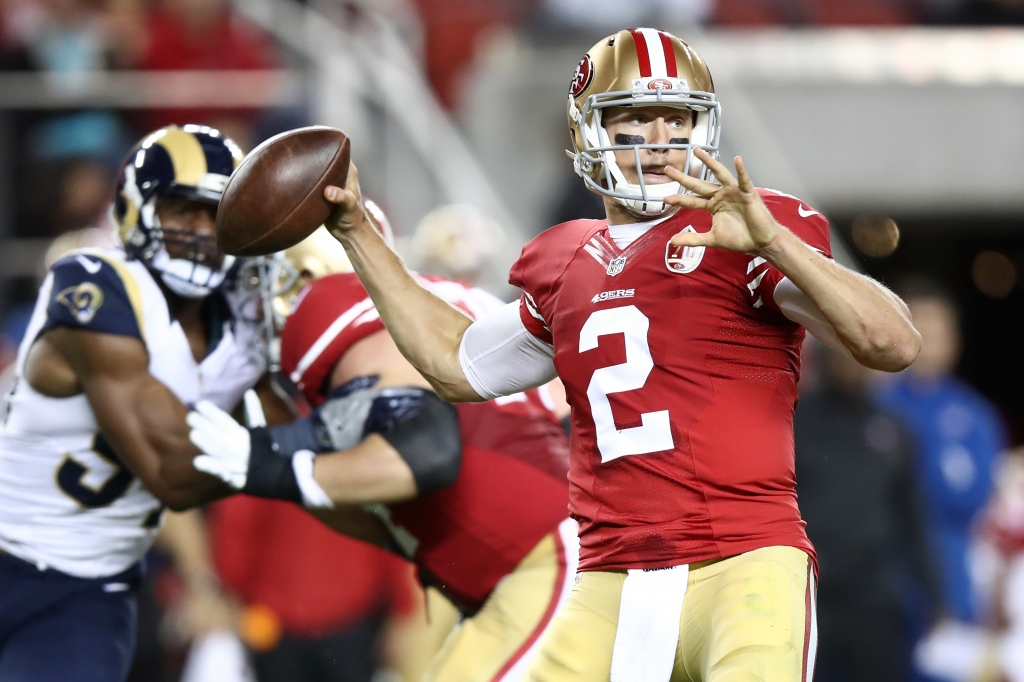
(803, 221)
(539, 268)
(329, 317)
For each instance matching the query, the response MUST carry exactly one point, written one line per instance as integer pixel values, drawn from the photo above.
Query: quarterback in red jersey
(486, 527)
(674, 326)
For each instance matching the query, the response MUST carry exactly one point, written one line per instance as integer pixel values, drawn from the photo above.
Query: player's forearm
(370, 472)
(869, 320)
(163, 462)
(425, 328)
(140, 417)
(169, 471)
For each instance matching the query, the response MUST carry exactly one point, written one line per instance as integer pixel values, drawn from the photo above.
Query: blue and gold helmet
(192, 162)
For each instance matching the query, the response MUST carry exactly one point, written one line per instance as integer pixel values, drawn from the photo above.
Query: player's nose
(204, 222)
(659, 133)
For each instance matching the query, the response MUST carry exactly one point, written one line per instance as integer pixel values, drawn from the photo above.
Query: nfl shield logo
(616, 265)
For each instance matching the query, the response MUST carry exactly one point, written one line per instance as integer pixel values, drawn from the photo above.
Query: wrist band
(312, 494)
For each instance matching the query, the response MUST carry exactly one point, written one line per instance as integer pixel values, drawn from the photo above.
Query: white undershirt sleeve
(500, 357)
(797, 307)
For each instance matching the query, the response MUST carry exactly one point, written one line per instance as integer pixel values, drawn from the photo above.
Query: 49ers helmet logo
(581, 79)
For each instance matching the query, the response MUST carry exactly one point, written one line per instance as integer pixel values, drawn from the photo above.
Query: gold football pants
(495, 644)
(746, 618)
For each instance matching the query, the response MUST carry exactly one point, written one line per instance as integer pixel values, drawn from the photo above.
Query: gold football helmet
(639, 67)
(281, 277)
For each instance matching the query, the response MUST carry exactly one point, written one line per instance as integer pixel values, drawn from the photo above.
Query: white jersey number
(655, 435)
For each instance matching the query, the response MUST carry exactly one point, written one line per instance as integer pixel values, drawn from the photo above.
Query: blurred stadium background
(901, 120)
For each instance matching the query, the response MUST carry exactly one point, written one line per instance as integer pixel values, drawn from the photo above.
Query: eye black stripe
(621, 138)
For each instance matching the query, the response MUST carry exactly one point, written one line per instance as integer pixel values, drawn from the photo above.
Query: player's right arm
(139, 416)
(428, 330)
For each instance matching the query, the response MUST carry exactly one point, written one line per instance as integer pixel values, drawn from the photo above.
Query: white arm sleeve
(500, 357)
(796, 306)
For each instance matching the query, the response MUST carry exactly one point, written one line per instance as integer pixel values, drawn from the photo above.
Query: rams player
(675, 326)
(94, 443)
(475, 496)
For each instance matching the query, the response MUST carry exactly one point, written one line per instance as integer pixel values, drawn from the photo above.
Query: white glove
(228, 453)
(225, 443)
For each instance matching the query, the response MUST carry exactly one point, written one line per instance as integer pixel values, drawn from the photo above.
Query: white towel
(648, 630)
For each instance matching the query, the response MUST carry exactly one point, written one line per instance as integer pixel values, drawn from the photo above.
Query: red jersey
(681, 373)
(511, 490)
(316, 581)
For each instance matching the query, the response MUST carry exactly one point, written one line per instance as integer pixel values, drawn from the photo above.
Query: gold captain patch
(83, 300)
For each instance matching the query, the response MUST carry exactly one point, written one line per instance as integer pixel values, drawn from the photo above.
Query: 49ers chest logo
(581, 79)
(683, 259)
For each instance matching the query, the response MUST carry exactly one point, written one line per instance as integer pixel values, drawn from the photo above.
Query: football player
(94, 443)
(675, 326)
(476, 495)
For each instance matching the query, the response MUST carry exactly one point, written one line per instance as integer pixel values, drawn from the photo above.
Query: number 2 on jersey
(655, 433)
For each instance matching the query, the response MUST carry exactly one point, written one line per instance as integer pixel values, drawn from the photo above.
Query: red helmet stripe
(670, 55)
(642, 54)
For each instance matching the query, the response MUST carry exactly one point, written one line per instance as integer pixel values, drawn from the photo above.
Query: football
(274, 199)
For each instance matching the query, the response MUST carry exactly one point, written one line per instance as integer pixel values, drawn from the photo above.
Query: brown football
(275, 198)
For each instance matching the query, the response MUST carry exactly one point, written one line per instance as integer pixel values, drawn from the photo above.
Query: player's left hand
(741, 222)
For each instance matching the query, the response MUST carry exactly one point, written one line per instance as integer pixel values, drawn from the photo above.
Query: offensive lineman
(475, 496)
(675, 326)
(94, 443)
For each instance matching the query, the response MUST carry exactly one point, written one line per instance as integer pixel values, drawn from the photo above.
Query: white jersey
(66, 500)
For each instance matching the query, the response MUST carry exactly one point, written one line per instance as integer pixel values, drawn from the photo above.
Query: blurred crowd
(66, 158)
(911, 491)
(914, 503)
(454, 30)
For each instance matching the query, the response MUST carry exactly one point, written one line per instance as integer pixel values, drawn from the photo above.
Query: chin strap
(653, 206)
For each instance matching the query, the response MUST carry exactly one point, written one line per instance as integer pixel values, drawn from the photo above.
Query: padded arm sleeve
(427, 437)
(421, 427)
(797, 307)
(499, 356)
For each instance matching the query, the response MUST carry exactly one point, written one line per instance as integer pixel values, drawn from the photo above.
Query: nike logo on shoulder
(805, 212)
(91, 266)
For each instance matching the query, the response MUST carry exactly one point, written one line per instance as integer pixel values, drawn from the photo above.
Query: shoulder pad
(800, 218)
(549, 253)
(94, 292)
